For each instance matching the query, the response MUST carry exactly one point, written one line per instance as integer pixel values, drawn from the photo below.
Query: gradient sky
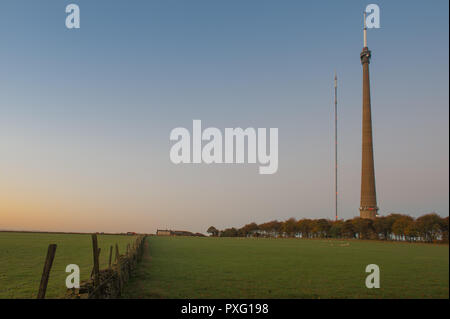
(85, 115)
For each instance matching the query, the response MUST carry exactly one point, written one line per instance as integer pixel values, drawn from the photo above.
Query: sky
(86, 114)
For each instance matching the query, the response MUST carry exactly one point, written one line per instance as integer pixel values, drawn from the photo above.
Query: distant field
(22, 257)
(183, 267)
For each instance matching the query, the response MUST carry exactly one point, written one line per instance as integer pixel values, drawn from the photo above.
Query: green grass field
(22, 257)
(183, 267)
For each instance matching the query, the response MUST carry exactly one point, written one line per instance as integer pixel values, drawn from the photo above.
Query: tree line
(426, 228)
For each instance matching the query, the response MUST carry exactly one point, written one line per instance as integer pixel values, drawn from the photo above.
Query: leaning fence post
(93, 268)
(110, 256)
(119, 267)
(117, 253)
(96, 263)
(46, 272)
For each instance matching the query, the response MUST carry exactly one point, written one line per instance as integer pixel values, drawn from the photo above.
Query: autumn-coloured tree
(276, 226)
(363, 227)
(249, 229)
(290, 227)
(321, 227)
(412, 231)
(267, 229)
(304, 226)
(382, 228)
(390, 220)
(444, 229)
(400, 226)
(429, 226)
(348, 230)
(229, 232)
(272, 228)
(213, 231)
(336, 229)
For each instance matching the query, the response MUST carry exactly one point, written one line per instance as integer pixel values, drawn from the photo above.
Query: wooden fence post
(93, 268)
(119, 267)
(96, 263)
(46, 272)
(117, 253)
(110, 256)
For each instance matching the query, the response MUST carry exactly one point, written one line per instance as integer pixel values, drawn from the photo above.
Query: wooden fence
(103, 283)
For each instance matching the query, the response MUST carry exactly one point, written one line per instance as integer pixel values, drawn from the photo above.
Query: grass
(22, 257)
(183, 267)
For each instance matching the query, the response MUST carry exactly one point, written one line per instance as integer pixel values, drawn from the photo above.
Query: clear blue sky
(85, 115)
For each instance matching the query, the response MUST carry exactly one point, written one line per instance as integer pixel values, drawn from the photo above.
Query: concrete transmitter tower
(368, 207)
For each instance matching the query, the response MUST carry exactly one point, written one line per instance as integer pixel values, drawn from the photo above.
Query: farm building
(165, 232)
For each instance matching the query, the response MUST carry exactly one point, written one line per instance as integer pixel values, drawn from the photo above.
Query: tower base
(368, 212)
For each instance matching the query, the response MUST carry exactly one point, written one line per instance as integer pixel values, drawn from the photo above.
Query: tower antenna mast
(335, 147)
(365, 30)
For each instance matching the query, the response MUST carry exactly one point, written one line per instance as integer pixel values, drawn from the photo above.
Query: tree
(429, 226)
(444, 229)
(321, 227)
(390, 220)
(363, 227)
(348, 230)
(248, 229)
(213, 231)
(271, 229)
(412, 231)
(276, 227)
(290, 227)
(382, 228)
(304, 226)
(401, 225)
(266, 229)
(229, 232)
(336, 229)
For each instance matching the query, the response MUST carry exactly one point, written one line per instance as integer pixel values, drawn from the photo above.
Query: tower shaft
(368, 207)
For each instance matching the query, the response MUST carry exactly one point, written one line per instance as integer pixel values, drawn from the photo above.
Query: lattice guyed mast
(335, 148)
